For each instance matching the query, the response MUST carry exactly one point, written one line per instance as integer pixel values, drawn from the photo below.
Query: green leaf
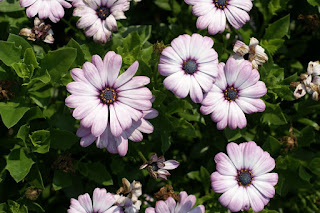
(96, 172)
(23, 132)
(58, 62)
(41, 141)
(80, 59)
(19, 42)
(278, 29)
(205, 178)
(19, 164)
(163, 4)
(314, 2)
(304, 175)
(11, 113)
(63, 140)
(22, 70)
(34, 177)
(314, 166)
(61, 180)
(9, 53)
(16, 207)
(273, 115)
(10, 6)
(272, 145)
(306, 137)
(232, 134)
(272, 45)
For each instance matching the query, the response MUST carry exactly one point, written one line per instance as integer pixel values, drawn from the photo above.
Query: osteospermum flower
(119, 145)
(103, 99)
(243, 177)
(98, 18)
(158, 167)
(213, 13)
(191, 66)
(101, 202)
(183, 206)
(236, 91)
(52, 9)
(255, 52)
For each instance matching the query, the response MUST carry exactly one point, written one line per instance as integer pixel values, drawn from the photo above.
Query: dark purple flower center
(230, 94)
(154, 166)
(221, 3)
(108, 95)
(103, 13)
(244, 177)
(190, 66)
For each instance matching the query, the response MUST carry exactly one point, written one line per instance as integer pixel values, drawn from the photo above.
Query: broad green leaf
(314, 166)
(16, 207)
(307, 136)
(58, 62)
(278, 29)
(272, 145)
(23, 132)
(163, 4)
(19, 42)
(22, 70)
(273, 115)
(314, 2)
(19, 164)
(80, 59)
(10, 6)
(34, 177)
(63, 140)
(96, 172)
(61, 180)
(11, 113)
(9, 53)
(272, 45)
(41, 141)
(232, 134)
(304, 175)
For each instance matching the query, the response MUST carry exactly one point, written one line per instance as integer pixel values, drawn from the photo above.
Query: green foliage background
(37, 127)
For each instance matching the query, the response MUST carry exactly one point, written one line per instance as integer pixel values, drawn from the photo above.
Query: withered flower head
(289, 142)
(165, 192)
(64, 163)
(157, 167)
(33, 193)
(6, 90)
(40, 31)
(158, 47)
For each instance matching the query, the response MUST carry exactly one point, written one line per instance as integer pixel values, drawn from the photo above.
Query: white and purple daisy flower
(158, 167)
(52, 9)
(183, 206)
(98, 18)
(191, 66)
(119, 145)
(102, 99)
(236, 91)
(101, 202)
(213, 13)
(243, 177)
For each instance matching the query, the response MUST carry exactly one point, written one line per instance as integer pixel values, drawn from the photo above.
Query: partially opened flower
(183, 206)
(213, 13)
(98, 18)
(243, 177)
(52, 9)
(236, 91)
(119, 145)
(191, 66)
(101, 202)
(255, 52)
(158, 167)
(103, 99)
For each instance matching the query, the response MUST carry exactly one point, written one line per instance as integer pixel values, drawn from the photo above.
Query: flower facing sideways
(52, 9)
(236, 91)
(243, 177)
(191, 66)
(213, 13)
(158, 167)
(256, 54)
(98, 18)
(183, 206)
(103, 99)
(101, 202)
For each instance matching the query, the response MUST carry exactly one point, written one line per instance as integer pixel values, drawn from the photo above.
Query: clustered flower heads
(40, 31)
(183, 206)
(255, 52)
(243, 177)
(111, 108)
(309, 82)
(191, 66)
(52, 9)
(213, 13)
(98, 18)
(236, 91)
(158, 167)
